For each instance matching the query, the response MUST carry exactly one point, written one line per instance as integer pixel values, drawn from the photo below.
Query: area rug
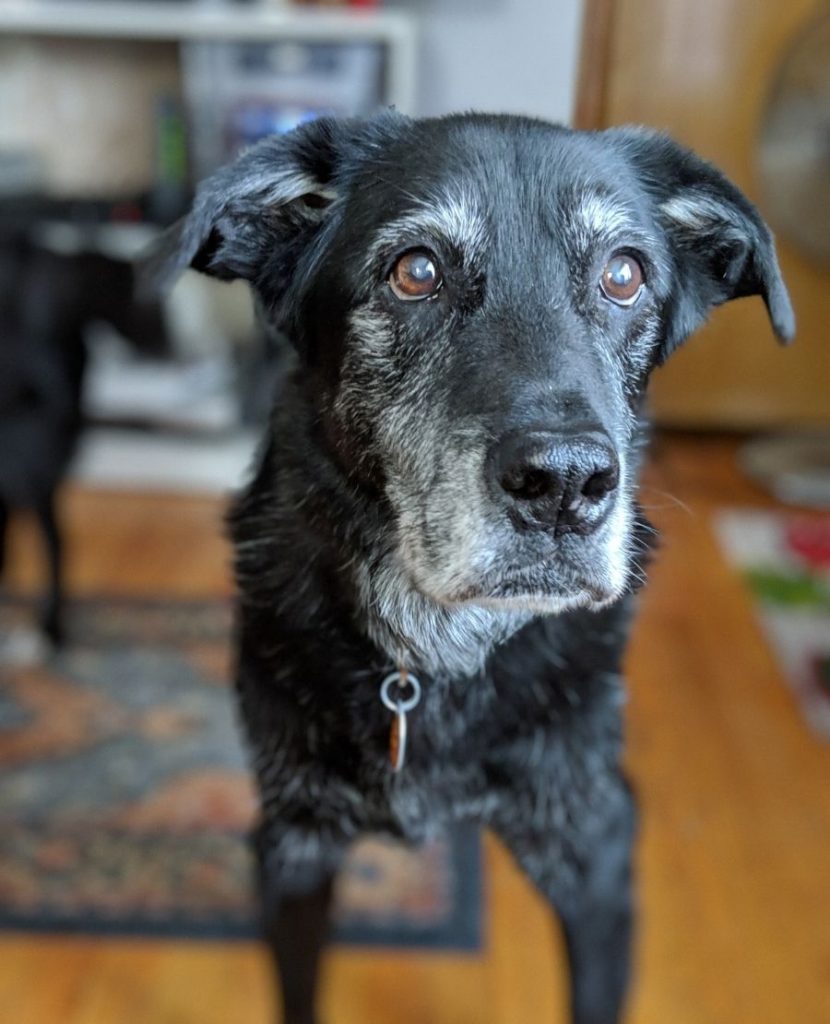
(125, 800)
(785, 560)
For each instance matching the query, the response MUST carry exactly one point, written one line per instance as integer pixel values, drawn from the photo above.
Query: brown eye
(622, 280)
(415, 276)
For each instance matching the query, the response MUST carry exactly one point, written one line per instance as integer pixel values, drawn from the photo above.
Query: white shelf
(150, 20)
(96, 19)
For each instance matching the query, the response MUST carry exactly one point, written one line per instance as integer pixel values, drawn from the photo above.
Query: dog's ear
(721, 247)
(255, 215)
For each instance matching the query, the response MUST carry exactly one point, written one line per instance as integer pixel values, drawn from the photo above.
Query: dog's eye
(415, 276)
(622, 280)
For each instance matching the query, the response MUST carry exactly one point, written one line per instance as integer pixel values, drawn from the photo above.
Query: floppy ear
(721, 247)
(253, 218)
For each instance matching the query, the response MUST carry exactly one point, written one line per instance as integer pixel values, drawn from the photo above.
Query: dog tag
(400, 692)
(397, 742)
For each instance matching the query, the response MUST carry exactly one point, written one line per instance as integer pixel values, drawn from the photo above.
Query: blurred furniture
(148, 20)
(794, 144)
(704, 72)
(241, 70)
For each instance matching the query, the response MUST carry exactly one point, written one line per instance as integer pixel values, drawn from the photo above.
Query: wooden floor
(735, 849)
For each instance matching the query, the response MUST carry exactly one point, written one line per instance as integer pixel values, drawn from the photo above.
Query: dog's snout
(563, 482)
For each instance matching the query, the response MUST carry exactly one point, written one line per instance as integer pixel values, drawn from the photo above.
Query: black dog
(46, 300)
(447, 489)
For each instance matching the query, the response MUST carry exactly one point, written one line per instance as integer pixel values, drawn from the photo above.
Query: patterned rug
(125, 799)
(785, 560)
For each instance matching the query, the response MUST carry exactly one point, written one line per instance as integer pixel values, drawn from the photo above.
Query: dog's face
(478, 303)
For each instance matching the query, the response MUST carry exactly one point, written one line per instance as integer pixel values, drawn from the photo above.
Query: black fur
(46, 301)
(375, 533)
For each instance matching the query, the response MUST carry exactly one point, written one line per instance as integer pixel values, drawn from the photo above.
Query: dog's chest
(530, 722)
(444, 777)
(468, 750)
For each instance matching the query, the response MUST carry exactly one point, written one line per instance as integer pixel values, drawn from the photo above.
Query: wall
(516, 56)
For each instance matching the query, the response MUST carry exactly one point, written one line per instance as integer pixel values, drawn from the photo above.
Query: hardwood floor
(735, 794)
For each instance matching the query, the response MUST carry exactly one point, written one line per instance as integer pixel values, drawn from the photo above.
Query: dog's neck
(421, 634)
(320, 535)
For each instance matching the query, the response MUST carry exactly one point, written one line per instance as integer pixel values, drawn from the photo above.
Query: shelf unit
(96, 19)
(187, 26)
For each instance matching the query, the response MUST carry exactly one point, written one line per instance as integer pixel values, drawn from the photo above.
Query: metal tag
(400, 692)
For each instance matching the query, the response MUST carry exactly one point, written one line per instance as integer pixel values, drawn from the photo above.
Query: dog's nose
(563, 482)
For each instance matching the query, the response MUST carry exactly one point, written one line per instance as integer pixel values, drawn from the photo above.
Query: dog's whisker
(672, 502)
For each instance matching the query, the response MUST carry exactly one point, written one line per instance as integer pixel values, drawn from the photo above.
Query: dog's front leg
(296, 878)
(52, 614)
(596, 918)
(583, 868)
(4, 526)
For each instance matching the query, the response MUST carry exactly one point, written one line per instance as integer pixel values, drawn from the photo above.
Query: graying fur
(377, 531)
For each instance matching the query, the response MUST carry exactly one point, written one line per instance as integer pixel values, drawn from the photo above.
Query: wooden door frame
(594, 64)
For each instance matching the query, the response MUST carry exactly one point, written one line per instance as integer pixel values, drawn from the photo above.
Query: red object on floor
(809, 537)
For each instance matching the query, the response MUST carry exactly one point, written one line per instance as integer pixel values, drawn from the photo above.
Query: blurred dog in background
(47, 299)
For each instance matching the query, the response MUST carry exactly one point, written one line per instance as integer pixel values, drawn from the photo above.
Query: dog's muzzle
(554, 481)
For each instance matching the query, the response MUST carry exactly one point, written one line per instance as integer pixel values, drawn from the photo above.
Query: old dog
(437, 552)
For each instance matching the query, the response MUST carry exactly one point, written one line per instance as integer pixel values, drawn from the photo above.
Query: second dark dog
(47, 299)
(436, 554)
